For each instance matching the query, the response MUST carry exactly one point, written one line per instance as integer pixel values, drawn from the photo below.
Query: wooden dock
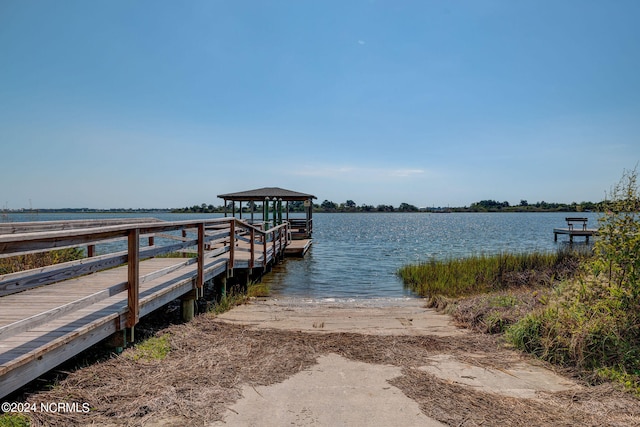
(572, 231)
(50, 314)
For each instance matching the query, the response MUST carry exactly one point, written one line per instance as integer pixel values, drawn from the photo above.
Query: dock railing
(213, 241)
(301, 228)
(41, 328)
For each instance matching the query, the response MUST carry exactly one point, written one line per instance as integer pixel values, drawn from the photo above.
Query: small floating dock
(572, 230)
(298, 248)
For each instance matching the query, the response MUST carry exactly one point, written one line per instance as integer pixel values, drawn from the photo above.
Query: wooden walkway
(49, 315)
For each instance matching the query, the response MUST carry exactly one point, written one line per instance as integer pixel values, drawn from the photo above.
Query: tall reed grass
(483, 273)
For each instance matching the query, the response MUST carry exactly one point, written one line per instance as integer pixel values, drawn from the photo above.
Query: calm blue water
(356, 256)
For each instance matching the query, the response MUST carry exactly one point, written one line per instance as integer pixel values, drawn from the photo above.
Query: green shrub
(618, 247)
(594, 323)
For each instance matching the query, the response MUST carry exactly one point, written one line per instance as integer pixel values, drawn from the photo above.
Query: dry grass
(209, 361)
(456, 405)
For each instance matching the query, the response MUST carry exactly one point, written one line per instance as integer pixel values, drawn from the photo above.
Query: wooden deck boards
(37, 300)
(298, 247)
(100, 319)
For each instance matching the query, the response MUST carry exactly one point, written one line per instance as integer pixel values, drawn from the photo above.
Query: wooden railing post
(264, 250)
(232, 242)
(91, 251)
(288, 231)
(133, 262)
(200, 278)
(273, 239)
(253, 248)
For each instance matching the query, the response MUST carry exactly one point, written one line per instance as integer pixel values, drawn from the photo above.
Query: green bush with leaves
(618, 249)
(594, 322)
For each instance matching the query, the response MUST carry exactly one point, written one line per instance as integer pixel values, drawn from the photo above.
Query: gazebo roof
(271, 192)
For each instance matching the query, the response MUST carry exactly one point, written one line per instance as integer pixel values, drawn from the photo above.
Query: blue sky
(155, 103)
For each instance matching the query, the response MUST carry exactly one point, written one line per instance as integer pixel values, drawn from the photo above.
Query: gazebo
(274, 195)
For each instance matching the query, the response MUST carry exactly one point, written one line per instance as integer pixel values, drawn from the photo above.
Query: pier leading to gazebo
(277, 201)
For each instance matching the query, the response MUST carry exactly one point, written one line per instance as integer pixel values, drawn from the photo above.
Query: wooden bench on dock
(571, 220)
(572, 230)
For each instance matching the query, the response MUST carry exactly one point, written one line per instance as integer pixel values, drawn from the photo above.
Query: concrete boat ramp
(340, 391)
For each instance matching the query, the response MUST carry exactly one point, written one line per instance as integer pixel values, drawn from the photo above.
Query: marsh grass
(258, 290)
(237, 297)
(484, 273)
(30, 261)
(552, 305)
(489, 293)
(153, 348)
(14, 420)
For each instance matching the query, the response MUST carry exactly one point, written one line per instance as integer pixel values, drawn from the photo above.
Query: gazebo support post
(275, 212)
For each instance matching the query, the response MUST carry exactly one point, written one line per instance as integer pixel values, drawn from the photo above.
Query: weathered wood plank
(24, 325)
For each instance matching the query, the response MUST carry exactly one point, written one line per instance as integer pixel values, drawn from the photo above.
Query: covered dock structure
(272, 199)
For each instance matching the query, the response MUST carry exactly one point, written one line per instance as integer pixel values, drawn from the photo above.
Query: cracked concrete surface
(338, 391)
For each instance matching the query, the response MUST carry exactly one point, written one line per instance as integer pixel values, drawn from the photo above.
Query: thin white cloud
(406, 172)
(361, 42)
(356, 172)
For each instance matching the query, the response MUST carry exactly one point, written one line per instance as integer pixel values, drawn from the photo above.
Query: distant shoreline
(319, 210)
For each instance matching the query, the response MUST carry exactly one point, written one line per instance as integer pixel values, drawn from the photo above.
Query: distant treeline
(348, 206)
(524, 206)
(85, 210)
(351, 206)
